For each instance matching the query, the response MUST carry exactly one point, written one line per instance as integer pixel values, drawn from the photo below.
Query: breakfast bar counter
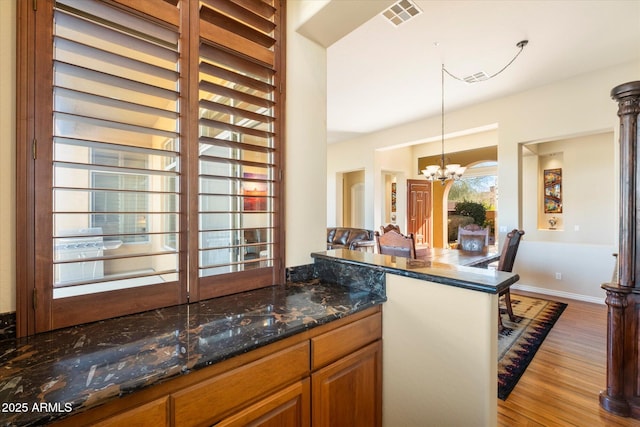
(440, 267)
(440, 335)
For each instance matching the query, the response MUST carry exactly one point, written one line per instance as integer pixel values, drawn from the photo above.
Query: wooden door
(419, 209)
(349, 391)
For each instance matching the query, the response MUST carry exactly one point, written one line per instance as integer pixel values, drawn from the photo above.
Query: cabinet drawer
(207, 402)
(150, 414)
(333, 345)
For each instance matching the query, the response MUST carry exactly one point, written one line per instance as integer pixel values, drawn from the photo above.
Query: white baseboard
(562, 294)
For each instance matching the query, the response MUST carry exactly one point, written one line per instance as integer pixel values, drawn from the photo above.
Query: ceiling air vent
(477, 77)
(401, 12)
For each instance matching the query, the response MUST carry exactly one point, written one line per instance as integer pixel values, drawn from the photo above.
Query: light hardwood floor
(562, 384)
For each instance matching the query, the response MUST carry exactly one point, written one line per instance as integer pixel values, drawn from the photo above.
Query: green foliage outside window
(475, 210)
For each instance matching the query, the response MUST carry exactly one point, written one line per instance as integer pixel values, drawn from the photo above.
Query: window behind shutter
(115, 156)
(238, 134)
(155, 174)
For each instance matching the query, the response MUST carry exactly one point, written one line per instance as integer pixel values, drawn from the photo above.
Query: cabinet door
(287, 408)
(349, 391)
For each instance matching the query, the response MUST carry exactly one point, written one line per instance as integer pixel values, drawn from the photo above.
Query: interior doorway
(357, 205)
(353, 213)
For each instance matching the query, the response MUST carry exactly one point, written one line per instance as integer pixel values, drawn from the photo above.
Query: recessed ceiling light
(401, 12)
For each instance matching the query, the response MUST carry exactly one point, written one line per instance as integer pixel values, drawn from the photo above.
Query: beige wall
(7, 155)
(306, 135)
(589, 213)
(575, 108)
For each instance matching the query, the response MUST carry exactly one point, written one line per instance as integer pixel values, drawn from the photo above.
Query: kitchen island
(440, 335)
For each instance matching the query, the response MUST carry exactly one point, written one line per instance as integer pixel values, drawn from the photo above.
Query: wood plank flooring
(562, 384)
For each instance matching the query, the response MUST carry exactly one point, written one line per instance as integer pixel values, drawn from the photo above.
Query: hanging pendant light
(454, 171)
(443, 172)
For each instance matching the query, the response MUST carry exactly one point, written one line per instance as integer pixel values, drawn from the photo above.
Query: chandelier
(443, 172)
(454, 171)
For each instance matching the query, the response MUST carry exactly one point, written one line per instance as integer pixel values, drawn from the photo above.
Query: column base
(614, 405)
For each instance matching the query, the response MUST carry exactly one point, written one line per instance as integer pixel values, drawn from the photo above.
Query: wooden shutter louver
(116, 160)
(149, 156)
(238, 105)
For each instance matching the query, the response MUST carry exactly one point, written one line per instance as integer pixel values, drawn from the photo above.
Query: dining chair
(389, 227)
(397, 244)
(507, 259)
(472, 237)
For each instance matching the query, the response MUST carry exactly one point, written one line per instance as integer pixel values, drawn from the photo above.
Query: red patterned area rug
(519, 341)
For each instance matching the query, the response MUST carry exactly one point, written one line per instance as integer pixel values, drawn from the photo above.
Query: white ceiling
(380, 75)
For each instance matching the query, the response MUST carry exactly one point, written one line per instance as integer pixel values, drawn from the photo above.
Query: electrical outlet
(558, 276)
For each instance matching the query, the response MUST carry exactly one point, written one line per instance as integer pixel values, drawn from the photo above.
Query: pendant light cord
(442, 115)
(520, 44)
(454, 171)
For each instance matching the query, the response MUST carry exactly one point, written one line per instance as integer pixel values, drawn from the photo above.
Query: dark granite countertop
(477, 279)
(52, 375)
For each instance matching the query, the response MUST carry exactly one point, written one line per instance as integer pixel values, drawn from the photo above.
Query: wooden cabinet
(206, 402)
(153, 413)
(331, 346)
(349, 391)
(346, 386)
(287, 408)
(330, 375)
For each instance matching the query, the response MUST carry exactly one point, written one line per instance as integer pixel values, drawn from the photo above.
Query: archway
(479, 184)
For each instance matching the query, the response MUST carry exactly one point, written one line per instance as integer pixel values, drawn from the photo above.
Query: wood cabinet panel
(333, 345)
(209, 401)
(154, 413)
(290, 407)
(349, 391)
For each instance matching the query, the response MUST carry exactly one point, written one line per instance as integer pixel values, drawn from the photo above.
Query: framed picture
(393, 197)
(255, 193)
(552, 190)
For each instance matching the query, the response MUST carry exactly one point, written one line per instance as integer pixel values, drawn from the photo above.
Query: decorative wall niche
(550, 206)
(579, 195)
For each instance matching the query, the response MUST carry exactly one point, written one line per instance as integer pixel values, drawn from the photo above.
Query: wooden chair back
(509, 251)
(472, 237)
(394, 243)
(389, 227)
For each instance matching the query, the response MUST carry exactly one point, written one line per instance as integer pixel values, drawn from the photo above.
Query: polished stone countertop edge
(472, 278)
(82, 367)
